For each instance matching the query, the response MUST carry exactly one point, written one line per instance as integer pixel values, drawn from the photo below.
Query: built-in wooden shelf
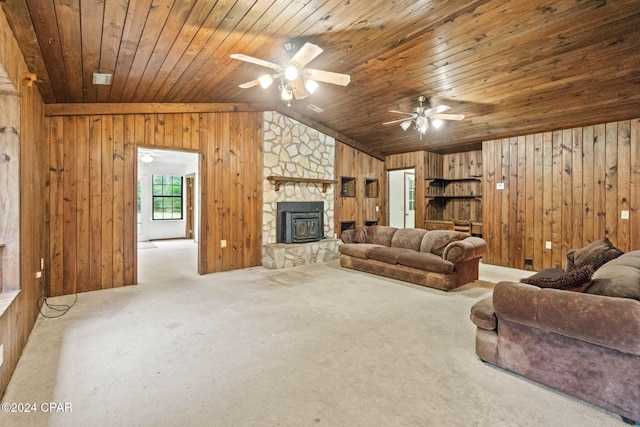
(280, 179)
(347, 225)
(371, 188)
(347, 186)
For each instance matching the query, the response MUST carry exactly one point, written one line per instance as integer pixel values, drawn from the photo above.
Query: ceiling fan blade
(252, 83)
(256, 61)
(440, 109)
(395, 121)
(299, 91)
(402, 112)
(327, 77)
(306, 54)
(448, 116)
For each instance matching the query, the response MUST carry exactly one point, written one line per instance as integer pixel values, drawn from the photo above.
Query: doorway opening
(402, 198)
(167, 200)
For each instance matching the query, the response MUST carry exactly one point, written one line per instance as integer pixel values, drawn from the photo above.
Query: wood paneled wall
(567, 187)
(19, 317)
(231, 183)
(354, 163)
(92, 192)
(426, 165)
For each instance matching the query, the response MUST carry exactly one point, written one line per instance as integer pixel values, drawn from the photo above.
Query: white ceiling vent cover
(101, 79)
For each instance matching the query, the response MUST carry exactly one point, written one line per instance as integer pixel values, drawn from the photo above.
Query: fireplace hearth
(299, 222)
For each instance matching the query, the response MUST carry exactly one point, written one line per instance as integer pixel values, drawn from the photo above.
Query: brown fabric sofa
(439, 259)
(585, 344)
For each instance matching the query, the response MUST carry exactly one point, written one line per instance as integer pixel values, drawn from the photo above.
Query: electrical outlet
(377, 208)
(500, 186)
(38, 274)
(624, 215)
(547, 245)
(223, 243)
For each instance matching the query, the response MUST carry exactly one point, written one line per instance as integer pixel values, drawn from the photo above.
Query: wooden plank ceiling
(511, 67)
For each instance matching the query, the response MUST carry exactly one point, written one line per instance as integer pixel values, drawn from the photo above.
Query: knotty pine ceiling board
(511, 67)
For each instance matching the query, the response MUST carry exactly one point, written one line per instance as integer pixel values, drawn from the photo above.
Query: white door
(409, 200)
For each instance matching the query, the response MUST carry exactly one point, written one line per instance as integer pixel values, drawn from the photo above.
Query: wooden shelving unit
(371, 188)
(441, 192)
(346, 225)
(347, 186)
(361, 196)
(448, 189)
(282, 179)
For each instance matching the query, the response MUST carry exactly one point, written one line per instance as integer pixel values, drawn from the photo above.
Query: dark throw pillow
(596, 254)
(564, 280)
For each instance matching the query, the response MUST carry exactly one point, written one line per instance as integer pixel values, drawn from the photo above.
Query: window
(167, 197)
(412, 193)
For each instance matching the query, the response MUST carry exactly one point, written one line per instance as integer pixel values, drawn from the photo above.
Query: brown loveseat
(585, 344)
(439, 259)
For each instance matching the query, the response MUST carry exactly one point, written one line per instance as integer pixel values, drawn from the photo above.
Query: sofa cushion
(560, 279)
(371, 232)
(358, 250)
(595, 254)
(388, 255)
(360, 235)
(383, 235)
(409, 238)
(425, 261)
(617, 278)
(347, 235)
(436, 241)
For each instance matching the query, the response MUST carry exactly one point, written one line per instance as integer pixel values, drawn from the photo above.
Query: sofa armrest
(483, 315)
(465, 250)
(606, 321)
(347, 235)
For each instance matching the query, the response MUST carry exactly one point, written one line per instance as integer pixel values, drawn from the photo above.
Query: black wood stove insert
(299, 222)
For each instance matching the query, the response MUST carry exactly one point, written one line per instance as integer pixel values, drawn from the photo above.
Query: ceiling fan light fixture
(265, 81)
(286, 94)
(311, 86)
(405, 125)
(437, 123)
(291, 73)
(146, 158)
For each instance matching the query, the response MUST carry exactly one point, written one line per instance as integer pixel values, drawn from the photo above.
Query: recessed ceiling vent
(101, 79)
(315, 108)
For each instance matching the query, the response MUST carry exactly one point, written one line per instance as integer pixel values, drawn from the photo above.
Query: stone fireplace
(292, 149)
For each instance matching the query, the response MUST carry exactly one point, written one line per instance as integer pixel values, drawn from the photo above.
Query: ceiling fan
(422, 117)
(295, 80)
(147, 156)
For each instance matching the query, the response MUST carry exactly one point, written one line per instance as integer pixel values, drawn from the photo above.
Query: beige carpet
(146, 245)
(307, 346)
